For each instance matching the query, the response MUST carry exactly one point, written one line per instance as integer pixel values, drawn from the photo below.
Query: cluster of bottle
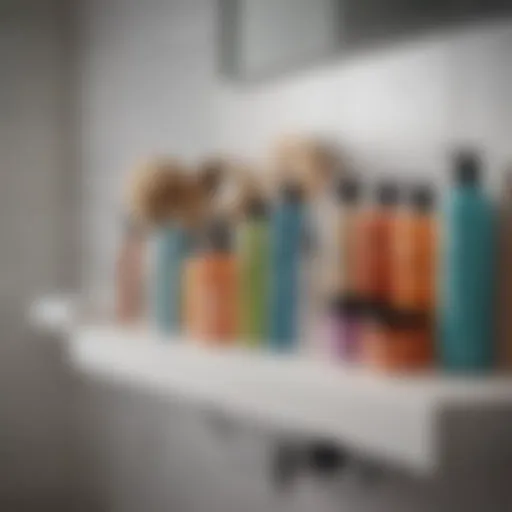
(239, 281)
(403, 288)
(383, 314)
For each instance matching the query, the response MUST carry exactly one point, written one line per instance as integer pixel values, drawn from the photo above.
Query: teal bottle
(286, 244)
(467, 316)
(254, 261)
(171, 247)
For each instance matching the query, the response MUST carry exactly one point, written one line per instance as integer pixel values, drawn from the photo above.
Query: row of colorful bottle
(242, 281)
(400, 286)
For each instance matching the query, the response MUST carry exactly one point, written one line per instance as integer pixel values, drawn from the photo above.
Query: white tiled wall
(398, 109)
(149, 84)
(145, 88)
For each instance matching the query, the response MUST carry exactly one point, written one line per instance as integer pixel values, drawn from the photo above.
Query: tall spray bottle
(286, 241)
(373, 242)
(414, 273)
(170, 250)
(254, 261)
(467, 314)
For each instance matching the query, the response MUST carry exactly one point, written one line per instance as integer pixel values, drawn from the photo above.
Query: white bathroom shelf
(419, 422)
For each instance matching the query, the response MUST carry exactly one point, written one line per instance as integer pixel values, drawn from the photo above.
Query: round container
(397, 340)
(344, 328)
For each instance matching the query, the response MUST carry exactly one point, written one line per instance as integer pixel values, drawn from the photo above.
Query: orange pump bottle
(192, 297)
(373, 247)
(348, 212)
(415, 254)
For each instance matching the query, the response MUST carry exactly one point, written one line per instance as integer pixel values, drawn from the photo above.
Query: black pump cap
(422, 198)
(407, 319)
(196, 239)
(348, 304)
(257, 208)
(219, 236)
(467, 167)
(348, 190)
(387, 193)
(291, 193)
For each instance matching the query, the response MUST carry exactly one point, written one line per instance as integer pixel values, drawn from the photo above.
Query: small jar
(344, 328)
(397, 340)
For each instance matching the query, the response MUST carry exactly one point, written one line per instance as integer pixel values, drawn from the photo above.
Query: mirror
(262, 39)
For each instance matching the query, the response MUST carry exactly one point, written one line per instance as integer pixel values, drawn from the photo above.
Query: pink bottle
(344, 328)
(130, 286)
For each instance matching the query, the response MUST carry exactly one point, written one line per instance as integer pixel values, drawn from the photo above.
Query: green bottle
(254, 257)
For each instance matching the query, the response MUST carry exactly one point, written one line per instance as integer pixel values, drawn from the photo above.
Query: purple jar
(344, 328)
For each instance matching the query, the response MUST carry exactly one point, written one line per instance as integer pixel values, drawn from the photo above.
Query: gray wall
(36, 251)
(37, 177)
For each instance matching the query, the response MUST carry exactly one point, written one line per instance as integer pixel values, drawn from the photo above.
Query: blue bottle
(286, 242)
(468, 281)
(171, 248)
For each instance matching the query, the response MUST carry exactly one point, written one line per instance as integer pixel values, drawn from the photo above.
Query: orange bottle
(415, 254)
(348, 212)
(213, 279)
(373, 247)
(191, 297)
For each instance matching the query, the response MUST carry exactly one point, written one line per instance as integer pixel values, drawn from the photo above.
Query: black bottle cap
(348, 190)
(291, 192)
(346, 305)
(219, 236)
(336, 305)
(257, 208)
(422, 198)
(467, 167)
(196, 241)
(407, 319)
(387, 194)
(374, 310)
